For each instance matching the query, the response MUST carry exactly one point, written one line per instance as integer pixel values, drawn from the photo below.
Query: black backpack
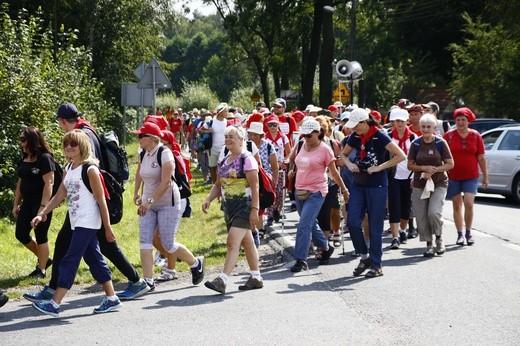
(181, 179)
(115, 193)
(114, 158)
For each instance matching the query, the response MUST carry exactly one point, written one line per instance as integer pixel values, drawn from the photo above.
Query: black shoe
(299, 266)
(3, 299)
(197, 274)
(395, 244)
(293, 207)
(37, 273)
(403, 238)
(412, 233)
(276, 215)
(325, 255)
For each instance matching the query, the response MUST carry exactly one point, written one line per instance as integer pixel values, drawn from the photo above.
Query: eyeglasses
(463, 143)
(72, 144)
(143, 135)
(272, 124)
(23, 139)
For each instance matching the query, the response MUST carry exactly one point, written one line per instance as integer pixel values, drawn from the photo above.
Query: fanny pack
(302, 195)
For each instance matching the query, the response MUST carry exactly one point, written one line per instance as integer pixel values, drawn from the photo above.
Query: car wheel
(515, 189)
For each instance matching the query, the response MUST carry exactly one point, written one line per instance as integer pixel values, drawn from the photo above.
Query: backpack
(266, 193)
(206, 139)
(114, 158)
(417, 144)
(113, 192)
(180, 178)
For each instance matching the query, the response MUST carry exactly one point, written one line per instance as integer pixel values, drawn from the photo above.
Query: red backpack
(266, 192)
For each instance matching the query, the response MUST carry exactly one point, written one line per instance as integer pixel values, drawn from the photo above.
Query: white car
(503, 161)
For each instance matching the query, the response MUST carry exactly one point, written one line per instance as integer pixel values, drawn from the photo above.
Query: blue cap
(67, 111)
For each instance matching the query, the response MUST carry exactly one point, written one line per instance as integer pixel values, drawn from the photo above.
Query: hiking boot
(197, 273)
(251, 284)
(108, 305)
(45, 294)
(133, 291)
(403, 238)
(47, 308)
(37, 273)
(395, 244)
(217, 284)
(412, 233)
(167, 275)
(325, 255)
(299, 266)
(439, 246)
(363, 265)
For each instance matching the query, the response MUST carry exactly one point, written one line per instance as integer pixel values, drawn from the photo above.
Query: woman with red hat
(467, 148)
(282, 147)
(159, 205)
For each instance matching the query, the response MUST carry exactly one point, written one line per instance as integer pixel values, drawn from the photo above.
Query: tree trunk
(326, 57)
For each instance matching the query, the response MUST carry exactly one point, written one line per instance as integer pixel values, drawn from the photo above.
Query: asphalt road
(467, 296)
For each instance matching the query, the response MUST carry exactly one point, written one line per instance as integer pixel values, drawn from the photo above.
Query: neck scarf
(279, 135)
(83, 123)
(402, 141)
(365, 138)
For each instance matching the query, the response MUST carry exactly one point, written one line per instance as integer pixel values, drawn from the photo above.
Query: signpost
(341, 93)
(154, 78)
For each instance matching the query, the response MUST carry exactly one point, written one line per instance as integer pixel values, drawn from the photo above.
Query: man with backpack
(69, 119)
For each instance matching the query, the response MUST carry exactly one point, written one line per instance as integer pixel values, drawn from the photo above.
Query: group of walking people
(316, 158)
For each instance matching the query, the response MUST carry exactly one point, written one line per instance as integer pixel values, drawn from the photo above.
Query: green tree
(34, 80)
(487, 69)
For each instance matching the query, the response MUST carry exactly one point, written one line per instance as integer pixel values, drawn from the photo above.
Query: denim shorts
(456, 187)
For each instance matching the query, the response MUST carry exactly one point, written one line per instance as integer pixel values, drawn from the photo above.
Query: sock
(196, 264)
(224, 277)
(468, 231)
(364, 256)
(112, 298)
(149, 281)
(256, 274)
(459, 233)
(54, 304)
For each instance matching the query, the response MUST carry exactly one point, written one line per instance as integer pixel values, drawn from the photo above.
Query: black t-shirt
(31, 175)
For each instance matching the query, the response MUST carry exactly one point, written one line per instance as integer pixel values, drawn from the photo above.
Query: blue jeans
(370, 200)
(308, 226)
(84, 243)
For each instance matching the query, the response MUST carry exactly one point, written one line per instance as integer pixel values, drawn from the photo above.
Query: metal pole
(352, 39)
(153, 81)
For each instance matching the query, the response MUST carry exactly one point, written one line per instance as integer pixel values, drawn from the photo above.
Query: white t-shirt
(83, 207)
(218, 126)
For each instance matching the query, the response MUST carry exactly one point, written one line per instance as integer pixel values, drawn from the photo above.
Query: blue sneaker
(45, 294)
(47, 308)
(108, 305)
(133, 291)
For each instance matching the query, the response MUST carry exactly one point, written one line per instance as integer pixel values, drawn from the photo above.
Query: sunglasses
(272, 124)
(142, 135)
(309, 135)
(23, 139)
(72, 144)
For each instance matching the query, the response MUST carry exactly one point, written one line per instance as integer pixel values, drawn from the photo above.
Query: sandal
(336, 240)
(363, 265)
(374, 273)
(318, 255)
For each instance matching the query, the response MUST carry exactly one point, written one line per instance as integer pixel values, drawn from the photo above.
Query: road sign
(341, 93)
(139, 71)
(255, 96)
(290, 94)
(154, 77)
(132, 96)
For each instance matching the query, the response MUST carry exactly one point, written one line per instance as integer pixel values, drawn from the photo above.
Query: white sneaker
(167, 275)
(159, 259)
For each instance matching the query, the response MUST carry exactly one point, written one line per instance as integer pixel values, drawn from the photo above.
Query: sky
(196, 4)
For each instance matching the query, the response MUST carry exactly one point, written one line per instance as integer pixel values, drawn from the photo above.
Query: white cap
(356, 116)
(399, 114)
(309, 126)
(256, 127)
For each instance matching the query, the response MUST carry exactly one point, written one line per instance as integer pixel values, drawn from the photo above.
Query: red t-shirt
(465, 154)
(175, 124)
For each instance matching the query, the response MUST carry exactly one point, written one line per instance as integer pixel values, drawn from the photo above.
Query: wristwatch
(150, 200)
